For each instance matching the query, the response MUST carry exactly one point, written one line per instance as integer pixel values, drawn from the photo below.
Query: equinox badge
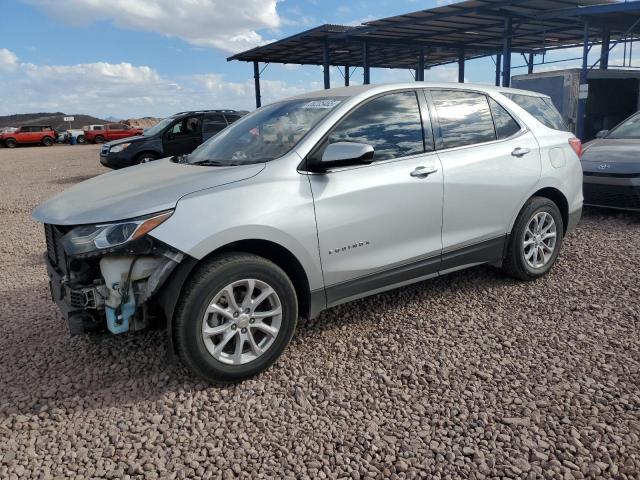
(350, 247)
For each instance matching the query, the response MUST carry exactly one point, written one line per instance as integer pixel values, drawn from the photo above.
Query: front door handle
(520, 152)
(423, 172)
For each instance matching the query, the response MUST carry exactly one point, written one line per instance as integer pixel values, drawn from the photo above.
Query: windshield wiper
(214, 163)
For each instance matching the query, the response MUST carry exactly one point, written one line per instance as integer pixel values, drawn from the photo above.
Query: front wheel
(80, 139)
(47, 141)
(236, 315)
(145, 158)
(99, 139)
(10, 143)
(535, 240)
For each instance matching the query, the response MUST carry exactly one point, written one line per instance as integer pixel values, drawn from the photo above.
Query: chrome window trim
(493, 142)
(379, 162)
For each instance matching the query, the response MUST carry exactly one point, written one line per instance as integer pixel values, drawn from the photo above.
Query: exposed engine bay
(111, 289)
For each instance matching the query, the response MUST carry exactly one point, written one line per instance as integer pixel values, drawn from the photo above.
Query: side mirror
(344, 154)
(602, 133)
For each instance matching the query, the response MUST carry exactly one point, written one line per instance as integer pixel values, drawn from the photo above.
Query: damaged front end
(104, 277)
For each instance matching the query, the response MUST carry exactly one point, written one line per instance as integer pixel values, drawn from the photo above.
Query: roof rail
(206, 111)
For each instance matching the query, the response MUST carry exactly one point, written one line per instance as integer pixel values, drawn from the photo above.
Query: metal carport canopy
(451, 33)
(477, 26)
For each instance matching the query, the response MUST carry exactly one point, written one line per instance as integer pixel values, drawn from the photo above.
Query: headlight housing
(91, 238)
(118, 148)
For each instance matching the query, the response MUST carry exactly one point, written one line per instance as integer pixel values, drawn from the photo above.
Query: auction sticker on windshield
(322, 104)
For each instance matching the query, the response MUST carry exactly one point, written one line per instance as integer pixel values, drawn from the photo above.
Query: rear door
(117, 131)
(379, 225)
(183, 136)
(490, 163)
(34, 135)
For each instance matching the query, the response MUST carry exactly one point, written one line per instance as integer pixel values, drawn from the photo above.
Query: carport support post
(325, 66)
(256, 80)
(365, 63)
(346, 75)
(530, 64)
(420, 69)
(604, 53)
(498, 68)
(506, 52)
(582, 96)
(461, 65)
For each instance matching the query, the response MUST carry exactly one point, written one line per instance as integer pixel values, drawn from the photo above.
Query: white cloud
(123, 90)
(231, 26)
(8, 60)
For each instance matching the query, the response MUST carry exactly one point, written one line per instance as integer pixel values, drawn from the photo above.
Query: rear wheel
(47, 141)
(235, 317)
(80, 139)
(99, 139)
(10, 143)
(535, 241)
(145, 158)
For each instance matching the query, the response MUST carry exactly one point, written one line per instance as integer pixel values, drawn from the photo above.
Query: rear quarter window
(541, 108)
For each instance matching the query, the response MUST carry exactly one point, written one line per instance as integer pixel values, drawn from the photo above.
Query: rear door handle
(520, 152)
(423, 172)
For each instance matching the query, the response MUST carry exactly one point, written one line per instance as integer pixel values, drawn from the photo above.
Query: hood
(125, 140)
(136, 191)
(612, 156)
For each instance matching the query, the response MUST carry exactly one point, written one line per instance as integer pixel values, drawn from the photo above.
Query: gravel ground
(470, 376)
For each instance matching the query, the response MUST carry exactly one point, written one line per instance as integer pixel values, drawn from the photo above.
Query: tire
(10, 143)
(205, 288)
(145, 158)
(99, 139)
(47, 141)
(531, 252)
(80, 139)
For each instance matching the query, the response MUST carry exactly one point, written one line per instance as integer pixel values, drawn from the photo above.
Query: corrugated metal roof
(476, 26)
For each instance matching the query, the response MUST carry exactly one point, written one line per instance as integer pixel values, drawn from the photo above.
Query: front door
(183, 136)
(490, 163)
(379, 225)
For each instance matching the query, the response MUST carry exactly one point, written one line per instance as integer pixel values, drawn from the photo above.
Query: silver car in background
(308, 203)
(611, 165)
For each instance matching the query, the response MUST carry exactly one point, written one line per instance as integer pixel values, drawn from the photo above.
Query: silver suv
(308, 203)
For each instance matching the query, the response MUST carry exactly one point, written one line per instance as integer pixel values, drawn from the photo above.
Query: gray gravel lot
(473, 375)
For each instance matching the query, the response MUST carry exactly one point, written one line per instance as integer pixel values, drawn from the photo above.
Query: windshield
(158, 127)
(630, 128)
(264, 135)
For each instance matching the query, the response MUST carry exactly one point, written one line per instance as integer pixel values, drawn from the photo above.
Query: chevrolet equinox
(308, 203)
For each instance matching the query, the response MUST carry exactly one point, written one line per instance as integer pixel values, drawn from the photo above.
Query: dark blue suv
(179, 134)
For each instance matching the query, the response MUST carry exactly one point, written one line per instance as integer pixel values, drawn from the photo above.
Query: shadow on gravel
(71, 180)
(597, 213)
(43, 368)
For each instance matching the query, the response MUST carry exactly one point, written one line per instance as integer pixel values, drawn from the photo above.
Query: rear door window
(213, 123)
(391, 124)
(541, 108)
(506, 126)
(231, 117)
(464, 118)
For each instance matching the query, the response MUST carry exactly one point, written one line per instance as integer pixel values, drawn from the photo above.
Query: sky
(135, 58)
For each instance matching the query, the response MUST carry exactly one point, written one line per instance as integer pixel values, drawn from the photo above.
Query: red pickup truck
(37, 134)
(111, 131)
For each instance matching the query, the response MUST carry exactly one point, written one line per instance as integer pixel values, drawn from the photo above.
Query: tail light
(576, 144)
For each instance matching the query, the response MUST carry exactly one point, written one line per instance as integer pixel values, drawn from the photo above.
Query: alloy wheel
(540, 240)
(242, 321)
